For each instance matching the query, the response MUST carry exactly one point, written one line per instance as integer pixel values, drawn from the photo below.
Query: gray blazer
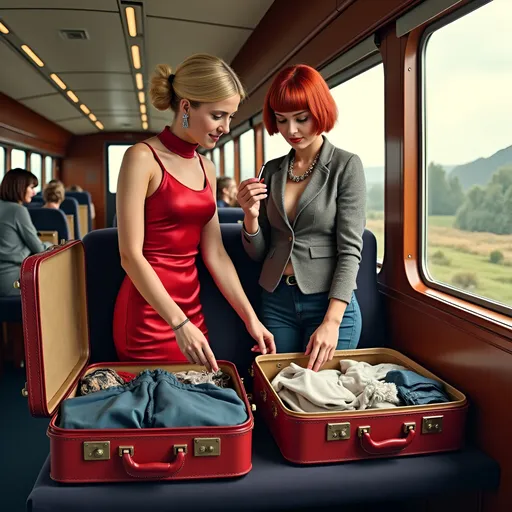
(326, 238)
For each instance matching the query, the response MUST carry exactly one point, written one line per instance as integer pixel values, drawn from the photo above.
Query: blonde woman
(53, 195)
(166, 210)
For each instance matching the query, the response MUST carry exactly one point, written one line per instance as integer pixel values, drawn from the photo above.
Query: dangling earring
(184, 123)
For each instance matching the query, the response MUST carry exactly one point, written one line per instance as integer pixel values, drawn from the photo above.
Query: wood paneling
(456, 343)
(312, 33)
(86, 165)
(22, 127)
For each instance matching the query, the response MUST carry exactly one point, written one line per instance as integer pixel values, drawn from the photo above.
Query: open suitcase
(308, 438)
(53, 286)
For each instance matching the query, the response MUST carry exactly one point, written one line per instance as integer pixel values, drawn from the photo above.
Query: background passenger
(53, 195)
(307, 221)
(18, 236)
(226, 192)
(166, 212)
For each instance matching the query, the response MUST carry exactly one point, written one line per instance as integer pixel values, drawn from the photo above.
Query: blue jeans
(292, 317)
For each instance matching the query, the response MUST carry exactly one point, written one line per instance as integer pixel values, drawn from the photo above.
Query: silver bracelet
(180, 325)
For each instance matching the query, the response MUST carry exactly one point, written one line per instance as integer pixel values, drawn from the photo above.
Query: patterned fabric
(106, 378)
(192, 377)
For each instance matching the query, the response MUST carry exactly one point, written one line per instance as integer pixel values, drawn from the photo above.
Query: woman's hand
(322, 344)
(264, 338)
(250, 193)
(195, 347)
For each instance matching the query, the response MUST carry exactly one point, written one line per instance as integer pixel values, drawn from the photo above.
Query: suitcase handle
(153, 469)
(386, 446)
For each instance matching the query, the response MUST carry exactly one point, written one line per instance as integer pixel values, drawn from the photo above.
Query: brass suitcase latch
(207, 446)
(338, 431)
(97, 451)
(432, 425)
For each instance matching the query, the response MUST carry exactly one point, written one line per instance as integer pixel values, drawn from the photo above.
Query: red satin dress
(174, 218)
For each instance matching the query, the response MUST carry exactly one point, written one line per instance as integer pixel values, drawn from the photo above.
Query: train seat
(70, 207)
(227, 333)
(230, 215)
(50, 219)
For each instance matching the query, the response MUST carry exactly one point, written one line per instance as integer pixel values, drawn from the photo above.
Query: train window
(216, 160)
(18, 159)
(48, 168)
(360, 130)
(229, 159)
(115, 154)
(274, 146)
(2, 162)
(36, 168)
(467, 156)
(247, 155)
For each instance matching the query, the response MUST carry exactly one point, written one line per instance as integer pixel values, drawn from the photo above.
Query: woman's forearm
(147, 282)
(251, 224)
(335, 311)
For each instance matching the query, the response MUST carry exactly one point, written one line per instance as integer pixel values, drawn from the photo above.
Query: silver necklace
(298, 179)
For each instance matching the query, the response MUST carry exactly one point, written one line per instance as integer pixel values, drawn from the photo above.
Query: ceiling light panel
(133, 21)
(30, 55)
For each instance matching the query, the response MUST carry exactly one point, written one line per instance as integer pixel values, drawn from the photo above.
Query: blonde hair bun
(201, 78)
(160, 88)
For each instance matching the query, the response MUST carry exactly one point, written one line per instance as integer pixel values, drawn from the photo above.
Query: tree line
(483, 208)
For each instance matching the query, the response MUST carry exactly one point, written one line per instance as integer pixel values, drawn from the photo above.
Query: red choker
(176, 145)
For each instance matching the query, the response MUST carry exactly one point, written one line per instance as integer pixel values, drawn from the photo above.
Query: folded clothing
(415, 389)
(357, 386)
(154, 399)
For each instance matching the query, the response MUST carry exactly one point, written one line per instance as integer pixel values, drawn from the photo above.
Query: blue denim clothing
(415, 389)
(154, 399)
(292, 317)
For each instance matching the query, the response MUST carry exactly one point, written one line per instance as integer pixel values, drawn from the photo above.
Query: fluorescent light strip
(58, 81)
(136, 56)
(93, 118)
(145, 126)
(73, 96)
(138, 79)
(142, 97)
(3, 29)
(130, 19)
(32, 55)
(144, 117)
(99, 125)
(143, 109)
(84, 109)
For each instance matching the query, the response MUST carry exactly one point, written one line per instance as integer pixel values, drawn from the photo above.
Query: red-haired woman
(306, 220)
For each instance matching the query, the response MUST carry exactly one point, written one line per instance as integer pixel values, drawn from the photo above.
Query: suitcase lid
(55, 326)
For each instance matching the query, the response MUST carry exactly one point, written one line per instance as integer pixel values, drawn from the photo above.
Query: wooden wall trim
(24, 128)
(279, 39)
(86, 165)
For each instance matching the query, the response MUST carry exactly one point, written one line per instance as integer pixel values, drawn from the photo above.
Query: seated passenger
(53, 195)
(18, 236)
(226, 192)
(306, 221)
(166, 213)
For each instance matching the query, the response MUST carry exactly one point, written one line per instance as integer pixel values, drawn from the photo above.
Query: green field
(460, 258)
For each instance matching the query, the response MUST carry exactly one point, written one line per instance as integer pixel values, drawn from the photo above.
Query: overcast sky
(469, 94)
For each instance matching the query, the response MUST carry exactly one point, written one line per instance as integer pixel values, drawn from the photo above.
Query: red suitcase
(53, 287)
(308, 438)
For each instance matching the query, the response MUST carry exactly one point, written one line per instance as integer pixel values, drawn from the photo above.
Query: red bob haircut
(300, 87)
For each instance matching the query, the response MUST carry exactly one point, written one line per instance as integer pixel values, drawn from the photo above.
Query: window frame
(346, 75)
(427, 279)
